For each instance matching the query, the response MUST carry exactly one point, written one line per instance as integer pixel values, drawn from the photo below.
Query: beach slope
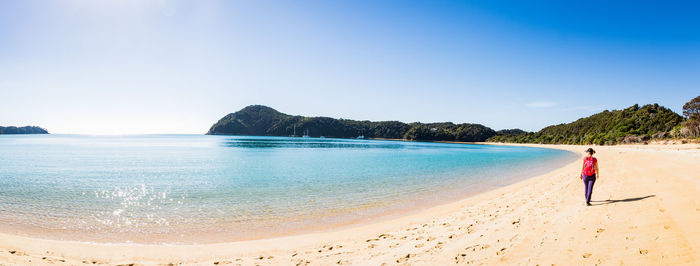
(646, 209)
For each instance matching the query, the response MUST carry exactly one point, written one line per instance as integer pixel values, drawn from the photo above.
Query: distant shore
(12, 130)
(645, 212)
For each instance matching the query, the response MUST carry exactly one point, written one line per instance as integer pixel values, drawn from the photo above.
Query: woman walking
(589, 173)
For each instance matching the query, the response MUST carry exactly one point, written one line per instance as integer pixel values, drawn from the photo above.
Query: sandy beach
(646, 210)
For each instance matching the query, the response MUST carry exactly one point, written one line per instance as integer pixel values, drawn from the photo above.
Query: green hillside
(264, 121)
(632, 124)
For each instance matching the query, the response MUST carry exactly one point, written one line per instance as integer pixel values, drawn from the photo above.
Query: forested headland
(23, 130)
(264, 121)
(635, 124)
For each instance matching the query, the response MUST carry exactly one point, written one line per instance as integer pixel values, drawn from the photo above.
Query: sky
(142, 67)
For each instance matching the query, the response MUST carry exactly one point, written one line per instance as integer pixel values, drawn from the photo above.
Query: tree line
(630, 125)
(634, 124)
(265, 121)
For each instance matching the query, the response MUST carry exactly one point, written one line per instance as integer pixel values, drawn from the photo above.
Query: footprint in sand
(302, 262)
(474, 247)
(500, 252)
(587, 255)
(385, 236)
(460, 258)
(643, 251)
(513, 238)
(433, 249)
(18, 253)
(404, 258)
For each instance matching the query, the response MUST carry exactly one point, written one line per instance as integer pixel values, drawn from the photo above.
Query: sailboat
(294, 135)
(306, 133)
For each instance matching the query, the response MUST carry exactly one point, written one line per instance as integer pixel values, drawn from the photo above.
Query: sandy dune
(646, 212)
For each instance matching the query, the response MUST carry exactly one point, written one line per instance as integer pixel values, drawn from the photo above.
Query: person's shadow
(603, 202)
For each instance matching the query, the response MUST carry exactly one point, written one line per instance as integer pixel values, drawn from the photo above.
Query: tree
(691, 109)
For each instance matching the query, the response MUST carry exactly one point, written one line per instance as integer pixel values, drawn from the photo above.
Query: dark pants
(588, 181)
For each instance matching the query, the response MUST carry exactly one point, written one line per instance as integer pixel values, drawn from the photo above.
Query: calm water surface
(201, 189)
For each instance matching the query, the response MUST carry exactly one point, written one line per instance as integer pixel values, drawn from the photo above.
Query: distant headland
(634, 124)
(261, 120)
(23, 130)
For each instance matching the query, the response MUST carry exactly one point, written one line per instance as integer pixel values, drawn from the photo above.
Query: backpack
(589, 166)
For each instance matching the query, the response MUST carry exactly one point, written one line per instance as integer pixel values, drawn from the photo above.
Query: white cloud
(586, 108)
(541, 104)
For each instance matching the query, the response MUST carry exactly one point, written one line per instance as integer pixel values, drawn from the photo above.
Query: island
(23, 130)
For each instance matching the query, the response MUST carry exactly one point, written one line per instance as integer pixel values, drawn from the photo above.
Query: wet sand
(646, 210)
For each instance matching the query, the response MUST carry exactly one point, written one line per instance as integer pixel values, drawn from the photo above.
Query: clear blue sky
(123, 67)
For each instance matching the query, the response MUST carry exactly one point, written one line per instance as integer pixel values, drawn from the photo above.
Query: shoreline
(338, 219)
(444, 230)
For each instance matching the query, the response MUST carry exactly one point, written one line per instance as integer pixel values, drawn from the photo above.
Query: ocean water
(183, 189)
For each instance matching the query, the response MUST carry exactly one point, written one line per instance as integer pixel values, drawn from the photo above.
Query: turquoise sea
(202, 189)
